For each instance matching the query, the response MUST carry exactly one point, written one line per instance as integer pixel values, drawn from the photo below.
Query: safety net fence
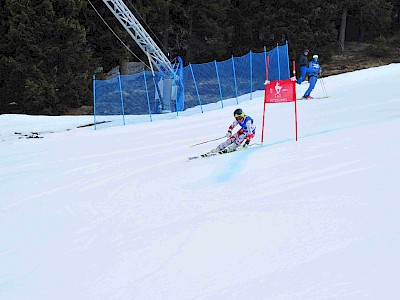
(196, 88)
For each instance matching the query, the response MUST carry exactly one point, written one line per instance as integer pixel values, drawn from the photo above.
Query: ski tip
(191, 158)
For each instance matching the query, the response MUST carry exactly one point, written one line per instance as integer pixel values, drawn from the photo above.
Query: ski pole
(323, 83)
(323, 86)
(207, 141)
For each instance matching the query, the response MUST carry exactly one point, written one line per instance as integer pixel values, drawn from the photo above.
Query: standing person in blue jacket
(314, 69)
(303, 65)
(246, 132)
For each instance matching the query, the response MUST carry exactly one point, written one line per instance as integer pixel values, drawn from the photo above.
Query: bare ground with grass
(356, 57)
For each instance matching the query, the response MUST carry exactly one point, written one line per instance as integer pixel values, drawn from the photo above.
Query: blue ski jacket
(314, 68)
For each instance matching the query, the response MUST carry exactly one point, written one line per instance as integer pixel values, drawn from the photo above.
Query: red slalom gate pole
(263, 121)
(265, 98)
(294, 68)
(295, 116)
(295, 97)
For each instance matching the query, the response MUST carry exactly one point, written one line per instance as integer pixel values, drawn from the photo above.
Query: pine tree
(108, 49)
(44, 55)
(204, 29)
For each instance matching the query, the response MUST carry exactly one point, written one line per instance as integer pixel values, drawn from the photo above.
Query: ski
(316, 98)
(208, 155)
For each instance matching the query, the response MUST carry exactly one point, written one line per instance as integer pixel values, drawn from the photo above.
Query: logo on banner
(282, 91)
(278, 89)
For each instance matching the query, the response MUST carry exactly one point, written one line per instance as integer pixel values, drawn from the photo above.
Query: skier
(313, 70)
(303, 65)
(246, 132)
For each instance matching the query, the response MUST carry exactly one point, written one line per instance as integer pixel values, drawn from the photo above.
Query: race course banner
(280, 91)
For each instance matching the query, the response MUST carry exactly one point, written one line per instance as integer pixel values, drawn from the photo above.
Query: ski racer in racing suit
(246, 132)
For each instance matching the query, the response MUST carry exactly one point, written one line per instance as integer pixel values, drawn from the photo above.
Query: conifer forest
(50, 49)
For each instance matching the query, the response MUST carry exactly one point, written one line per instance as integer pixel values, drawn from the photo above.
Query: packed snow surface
(119, 212)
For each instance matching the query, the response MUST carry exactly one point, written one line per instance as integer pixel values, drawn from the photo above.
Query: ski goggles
(240, 116)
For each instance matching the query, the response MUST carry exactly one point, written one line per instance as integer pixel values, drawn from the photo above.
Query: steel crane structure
(168, 86)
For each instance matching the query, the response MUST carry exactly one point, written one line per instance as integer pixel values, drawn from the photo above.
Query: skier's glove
(228, 134)
(249, 137)
(266, 82)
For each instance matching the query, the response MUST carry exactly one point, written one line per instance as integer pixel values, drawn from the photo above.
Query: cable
(148, 27)
(117, 35)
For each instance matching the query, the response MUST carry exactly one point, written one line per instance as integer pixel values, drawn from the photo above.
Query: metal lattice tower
(156, 57)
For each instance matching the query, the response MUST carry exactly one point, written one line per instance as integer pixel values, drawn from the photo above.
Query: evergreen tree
(302, 24)
(248, 20)
(374, 17)
(106, 37)
(50, 48)
(44, 55)
(207, 30)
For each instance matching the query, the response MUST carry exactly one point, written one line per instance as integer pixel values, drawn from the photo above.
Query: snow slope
(119, 213)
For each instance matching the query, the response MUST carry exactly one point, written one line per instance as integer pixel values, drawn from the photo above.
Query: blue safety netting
(107, 97)
(195, 86)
